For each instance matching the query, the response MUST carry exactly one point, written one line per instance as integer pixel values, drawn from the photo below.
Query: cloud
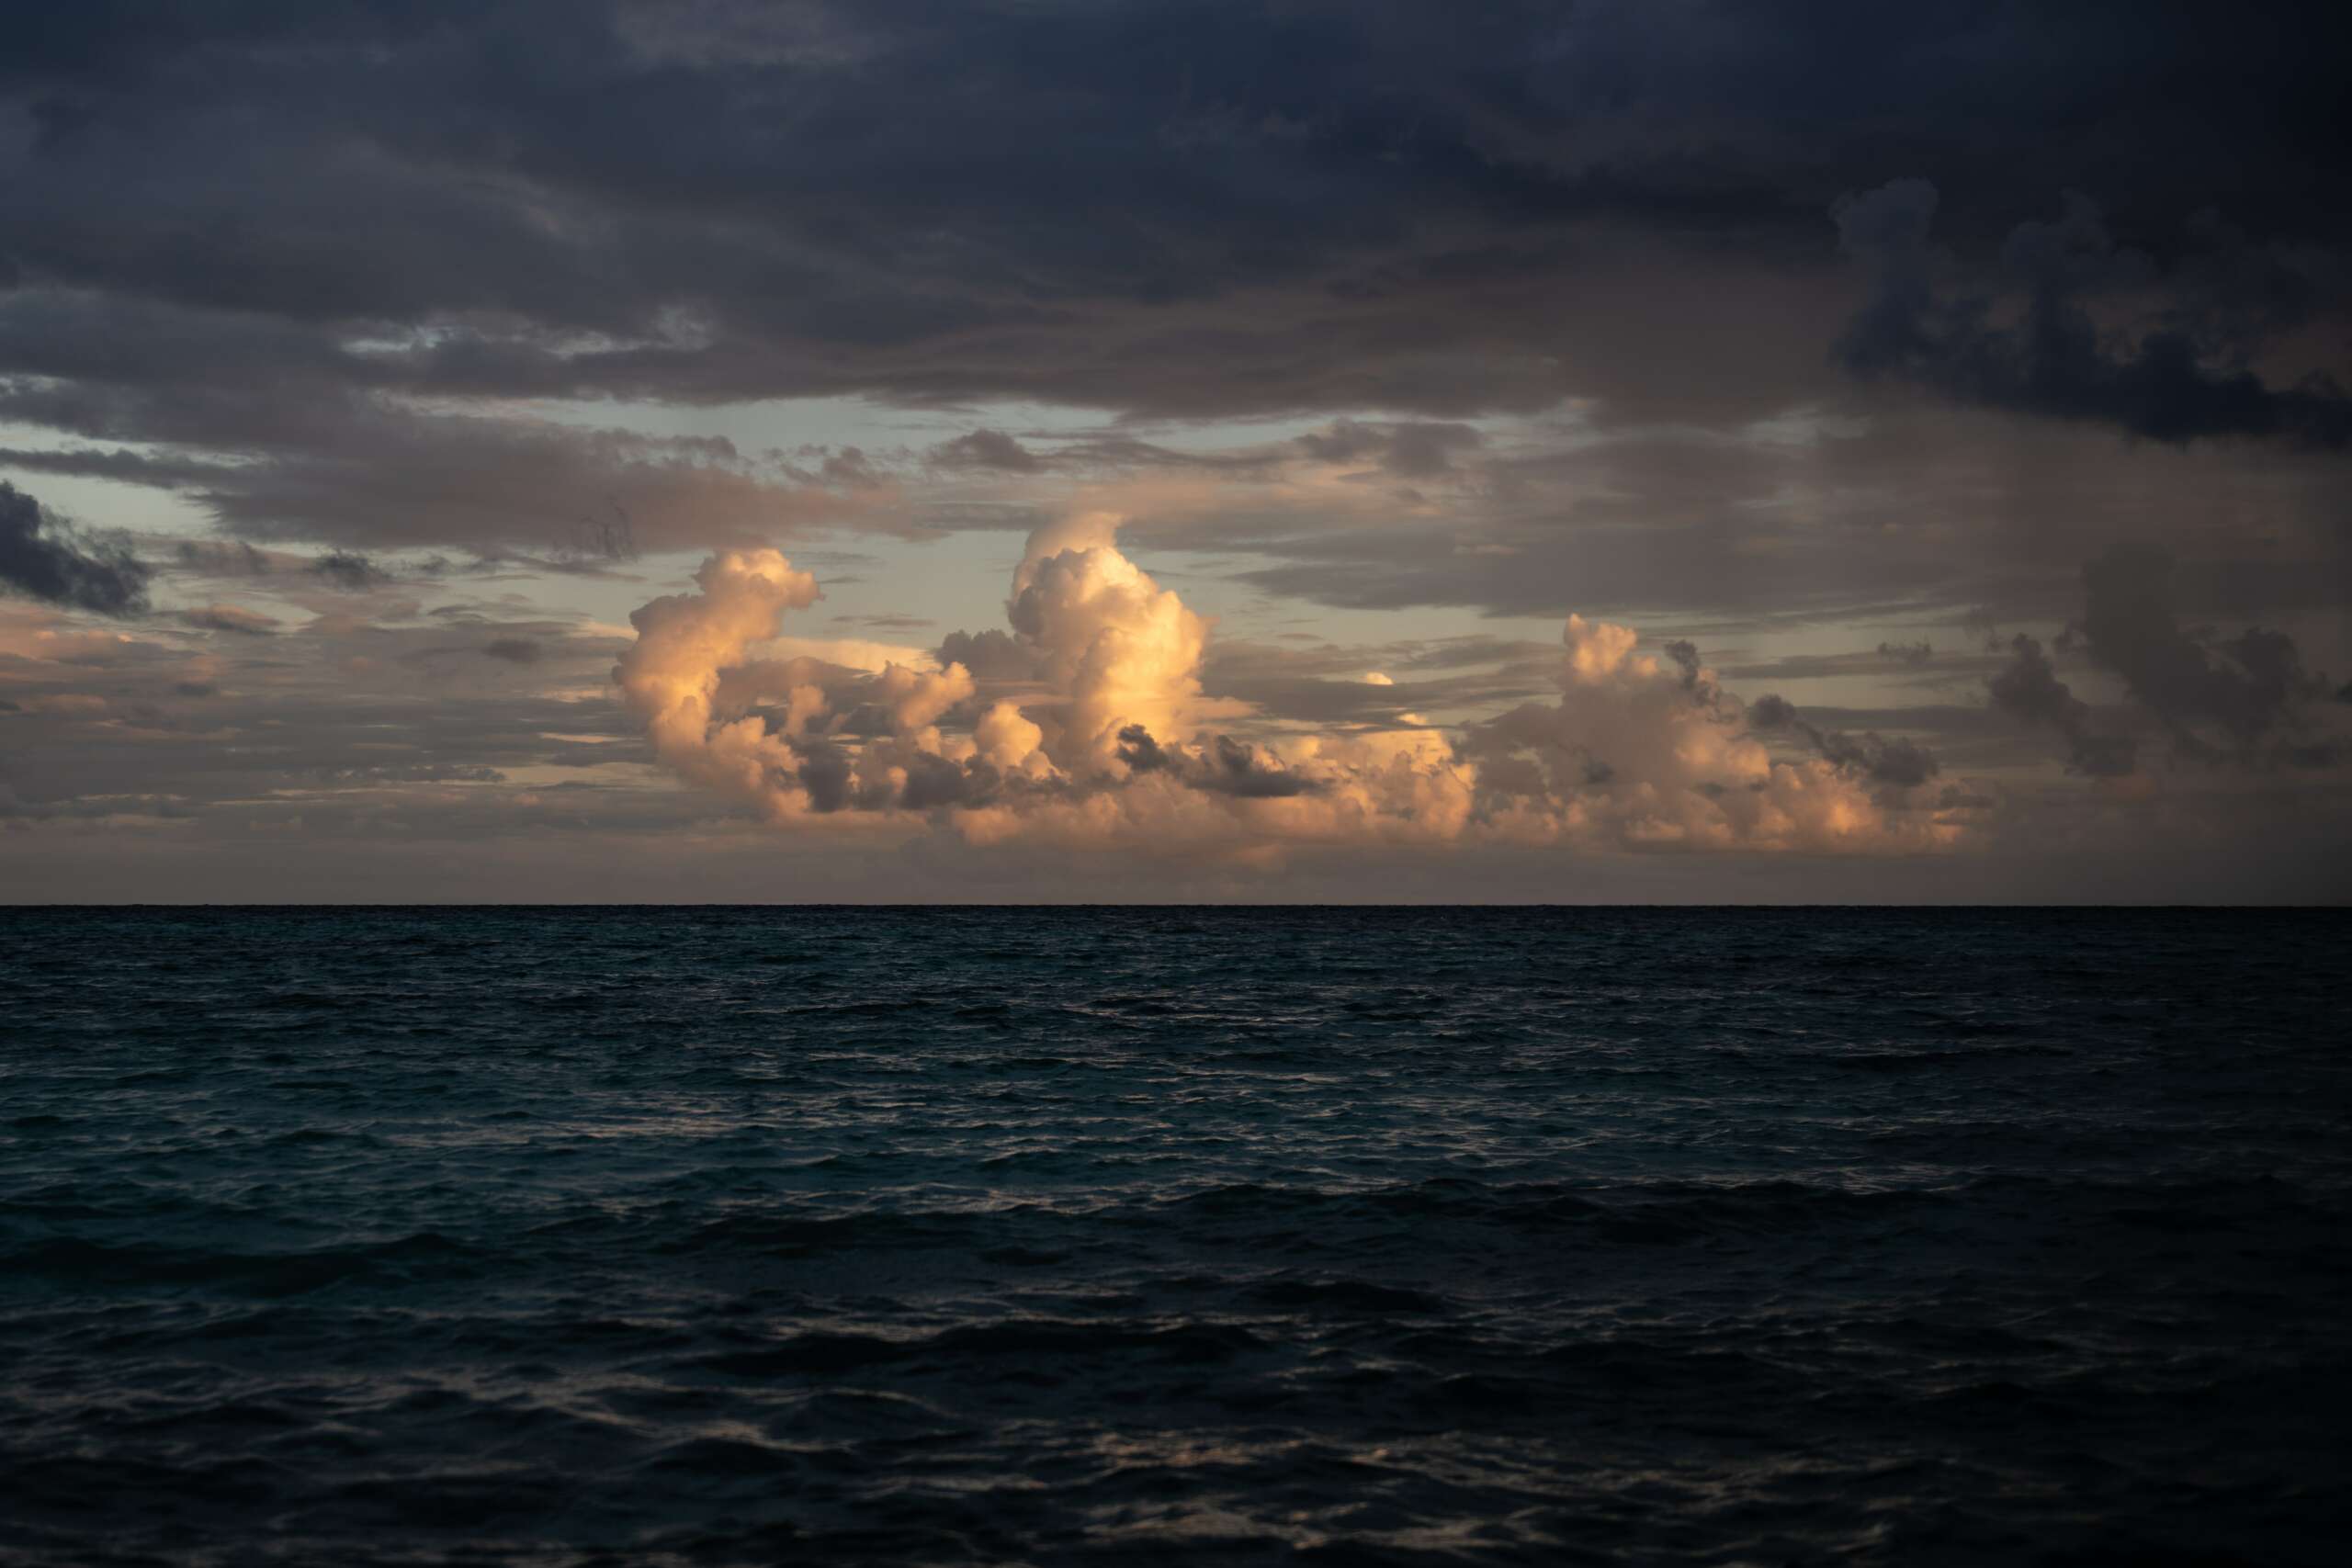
(1518, 319)
(1641, 753)
(787, 737)
(513, 649)
(1224, 766)
(887, 621)
(329, 729)
(43, 559)
(2247, 686)
(350, 572)
(2030, 690)
(1451, 224)
(229, 618)
(2159, 381)
(2246, 698)
(1901, 764)
(320, 303)
(987, 449)
(1327, 686)
(1125, 650)
(1638, 754)
(314, 458)
(218, 559)
(990, 654)
(1409, 450)
(670, 674)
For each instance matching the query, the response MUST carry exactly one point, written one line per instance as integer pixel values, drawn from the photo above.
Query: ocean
(1019, 1235)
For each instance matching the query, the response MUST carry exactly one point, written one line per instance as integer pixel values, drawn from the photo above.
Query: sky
(1136, 451)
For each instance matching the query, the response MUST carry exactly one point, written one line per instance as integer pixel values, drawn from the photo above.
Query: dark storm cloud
(1896, 762)
(229, 618)
(1899, 763)
(350, 572)
(829, 774)
(1685, 655)
(1141, 753)
(1232, 767)
(2030, 690)
(513, 649)
(990, 655)
(1319, 205)
(41, 557)
(2181, 378)
(933, 781)
(1224, 766)
(2246, 685)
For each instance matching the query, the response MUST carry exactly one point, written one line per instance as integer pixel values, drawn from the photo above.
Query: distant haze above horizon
(1114, 451)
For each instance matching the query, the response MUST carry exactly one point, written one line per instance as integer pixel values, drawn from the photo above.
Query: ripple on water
(713, 1236)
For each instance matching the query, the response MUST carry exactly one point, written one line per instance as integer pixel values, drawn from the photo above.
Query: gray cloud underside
(324, 227)
(2178, 373)
(890, 180)
(43, 558)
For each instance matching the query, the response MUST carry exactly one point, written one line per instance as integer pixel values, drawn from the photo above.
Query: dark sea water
(722, 1237)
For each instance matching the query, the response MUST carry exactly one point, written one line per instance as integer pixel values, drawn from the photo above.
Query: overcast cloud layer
(1169, 450)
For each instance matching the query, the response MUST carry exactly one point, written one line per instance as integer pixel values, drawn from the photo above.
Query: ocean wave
(585, 1237)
